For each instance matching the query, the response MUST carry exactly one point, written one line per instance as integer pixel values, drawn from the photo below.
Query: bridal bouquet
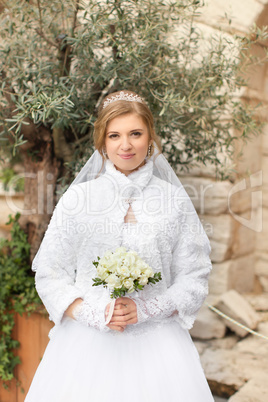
(123, 272)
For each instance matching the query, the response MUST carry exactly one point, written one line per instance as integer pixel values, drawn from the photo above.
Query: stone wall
(236, 212)
(235, 215)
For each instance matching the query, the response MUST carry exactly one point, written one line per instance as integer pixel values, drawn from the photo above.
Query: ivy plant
(17, 293)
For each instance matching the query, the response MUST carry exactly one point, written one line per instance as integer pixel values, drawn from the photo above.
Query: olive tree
(60, 58)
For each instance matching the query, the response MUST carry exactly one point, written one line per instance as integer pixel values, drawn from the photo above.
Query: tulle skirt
(81, 364)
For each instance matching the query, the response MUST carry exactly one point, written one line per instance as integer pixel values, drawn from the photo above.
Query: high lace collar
(136, 180)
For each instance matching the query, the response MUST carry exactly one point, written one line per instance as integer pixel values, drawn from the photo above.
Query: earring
(149, 150)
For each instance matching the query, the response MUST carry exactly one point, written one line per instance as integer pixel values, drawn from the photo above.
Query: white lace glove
(91, 316)
(155, 308)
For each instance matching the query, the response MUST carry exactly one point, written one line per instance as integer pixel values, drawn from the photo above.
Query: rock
(265, 167)
(265, 198)
(244, 239)
(235, 306)
(263, 316)
(240, 201)
(248, 163)
(222, 235)
(264, 282)
(219, 278)
(261, 266)
(242, 273)
(214, 13)
(220, 251)
(208, 196)
(255, 390)
(265, 140)
(253, 345)
(200, 346)
(222, 227)
(228, 370)
(258, 302)
(261, 244)
(221, 370)
(207, 325)
(235, 274)
(263, 328)
(228, 342)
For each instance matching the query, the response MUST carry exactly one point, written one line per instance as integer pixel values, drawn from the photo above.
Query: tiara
(123, 96)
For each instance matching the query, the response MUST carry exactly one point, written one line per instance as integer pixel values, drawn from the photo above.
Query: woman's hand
(125, 313)
(119, 328)
(70, 309)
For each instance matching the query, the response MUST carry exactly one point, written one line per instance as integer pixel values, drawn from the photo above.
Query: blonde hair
(118, 108)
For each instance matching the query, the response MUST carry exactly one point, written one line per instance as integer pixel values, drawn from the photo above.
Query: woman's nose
(126, 143)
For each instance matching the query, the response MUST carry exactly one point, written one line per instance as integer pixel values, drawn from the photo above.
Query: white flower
(130, 260)
(135, 273)
(108, 254)
(143, 280)
(134, 253)
(113, 281)
(149, 272)
(123, 271)
(141, 265)
(102, 272)
(109, 264)
(128, 283)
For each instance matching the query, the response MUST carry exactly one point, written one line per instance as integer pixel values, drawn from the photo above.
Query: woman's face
(127, 141)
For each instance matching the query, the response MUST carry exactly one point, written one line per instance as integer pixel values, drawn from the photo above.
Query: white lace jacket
(168, 235)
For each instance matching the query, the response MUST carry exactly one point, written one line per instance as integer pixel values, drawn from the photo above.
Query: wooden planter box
(32, 333)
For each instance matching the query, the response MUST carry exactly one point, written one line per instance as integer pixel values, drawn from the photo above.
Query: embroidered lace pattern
(90, 314)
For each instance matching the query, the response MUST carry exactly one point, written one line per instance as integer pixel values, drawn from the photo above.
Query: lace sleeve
(55, 265)
(90, 313)
(190, 270)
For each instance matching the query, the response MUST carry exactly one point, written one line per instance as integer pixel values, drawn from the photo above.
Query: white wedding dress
(154, 360)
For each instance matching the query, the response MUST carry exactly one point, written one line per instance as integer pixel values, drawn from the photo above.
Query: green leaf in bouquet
(98, 282)
(156, 278)
(119, 292)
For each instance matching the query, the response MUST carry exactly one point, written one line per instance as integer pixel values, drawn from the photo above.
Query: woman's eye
(135, 133)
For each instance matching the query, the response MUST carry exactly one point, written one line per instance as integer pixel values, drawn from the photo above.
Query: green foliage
(17, 293)
(9, 178)
(122, 291)
(59, 59)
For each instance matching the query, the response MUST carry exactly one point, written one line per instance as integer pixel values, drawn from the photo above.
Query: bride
(126, 196)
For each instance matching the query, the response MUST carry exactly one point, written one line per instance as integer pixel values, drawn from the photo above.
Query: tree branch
(75, 17)
(62, 149)
(114, 46)
(29, 130)
(40, 31)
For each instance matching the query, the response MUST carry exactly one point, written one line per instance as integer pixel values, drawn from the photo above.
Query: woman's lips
(127, 156)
